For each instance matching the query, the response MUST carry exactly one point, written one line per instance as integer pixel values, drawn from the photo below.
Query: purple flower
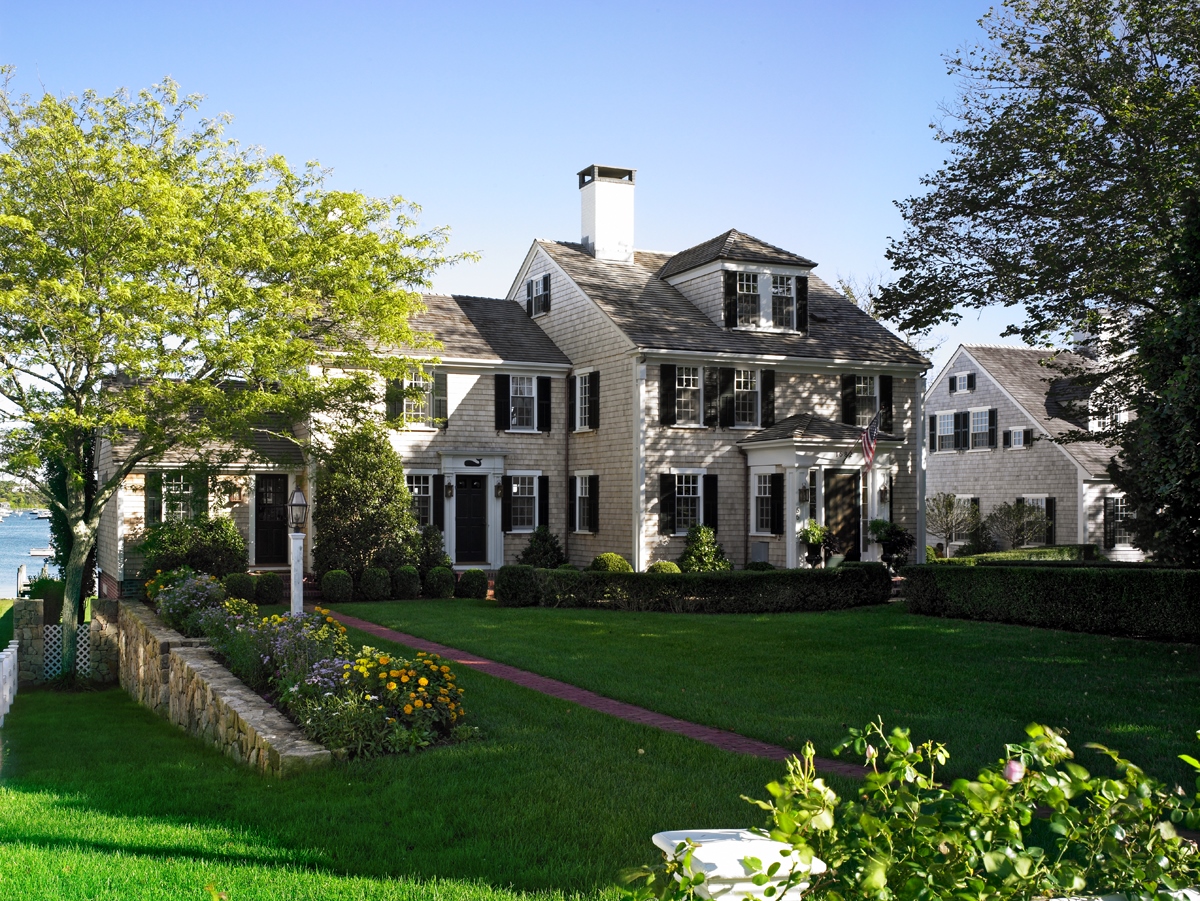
(1014, 771)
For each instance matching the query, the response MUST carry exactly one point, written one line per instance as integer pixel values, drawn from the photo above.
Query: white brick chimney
(606, 197)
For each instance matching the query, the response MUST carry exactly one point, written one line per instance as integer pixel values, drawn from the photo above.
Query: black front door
(842, 512)
(470, 519)
(271, 521)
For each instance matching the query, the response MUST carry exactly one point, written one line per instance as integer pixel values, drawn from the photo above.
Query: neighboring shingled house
(993, 412)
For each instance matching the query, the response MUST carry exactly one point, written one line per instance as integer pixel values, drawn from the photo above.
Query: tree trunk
(81, 548)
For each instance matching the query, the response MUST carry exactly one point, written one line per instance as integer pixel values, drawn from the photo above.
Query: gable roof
(809, 426)
(656, 316)
(1044, 396)
(268, 446)
(487, 328)
(733, 245)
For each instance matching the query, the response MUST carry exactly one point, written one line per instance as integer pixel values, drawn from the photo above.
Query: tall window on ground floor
(812, 495)
(583, 506)
(1122, 514)
(176, 497)
(762, 503)
(524, 503)
(687, 502)
(420, 488)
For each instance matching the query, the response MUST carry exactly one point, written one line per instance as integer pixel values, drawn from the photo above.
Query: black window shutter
(962, 431)
(970, 381)
(726, 400)
(666, 503)
(933, 434)
(1028, 437)
(730, 299)
(885, 402)
(529, 298)
(503, 403)
(543, 403)
(777, 503)
(506, 503)
(572, 525)
(1051, 514)
(594, 399)
(1020, 502)
(802, 303)
(849, 400)
(153, 497)
(543, 491)
(546, 293)
(711, 504)
(666, 394)
(571, 401)
(441, 404)
(594, 503)
(953, 383)
(712, 396)
(767, 390)
(438, 502)
(992, 422)
(1110, 522)
(1007, 438)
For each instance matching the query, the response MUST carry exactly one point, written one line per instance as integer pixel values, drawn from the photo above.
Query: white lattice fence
(54, 643)
(8, 678)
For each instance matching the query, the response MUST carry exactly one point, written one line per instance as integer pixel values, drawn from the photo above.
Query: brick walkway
(718, 738)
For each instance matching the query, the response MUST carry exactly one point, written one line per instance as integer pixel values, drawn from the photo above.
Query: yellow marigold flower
(329, 619)
(412, 694)
(345, 675)
(391, 686)
(345, 666)
(404, 678)
(408, 708)
(422, 681)
(384, 660)
(445, 669)
(419, 703)
(391, 719)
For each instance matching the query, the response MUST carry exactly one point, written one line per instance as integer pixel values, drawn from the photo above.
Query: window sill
(416, 428)
(521, 531)
(979, 449)
(584, 430)
(686, 425)
(520, 431)
(766, 328)
(744, 427)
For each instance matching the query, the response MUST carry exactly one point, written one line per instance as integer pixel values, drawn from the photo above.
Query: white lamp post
(297, 514)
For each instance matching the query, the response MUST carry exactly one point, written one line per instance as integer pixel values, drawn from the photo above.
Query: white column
(920, 457)
(297, 559)
(791, 522)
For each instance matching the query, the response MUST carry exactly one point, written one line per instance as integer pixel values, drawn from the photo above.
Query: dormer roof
(732, 245)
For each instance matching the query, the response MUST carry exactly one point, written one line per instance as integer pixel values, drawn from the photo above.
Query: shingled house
(993, 414)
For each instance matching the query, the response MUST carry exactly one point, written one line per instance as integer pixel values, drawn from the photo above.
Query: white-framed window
(1018, 438)
(745, 397)
(538, 292)
(783, 302)
(583, 504)
(812, 495)
(979, 428)
(747, 299)
(523, 402)
(417, 402)
(420, 487)
(583, 401)
(524, 503)
(945, 433)
(689, 405)
(866, 399)
(176, 497)
(1122, 512)
(688, 506)
(762, 503)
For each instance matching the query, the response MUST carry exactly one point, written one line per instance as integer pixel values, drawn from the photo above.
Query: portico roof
(811, 427)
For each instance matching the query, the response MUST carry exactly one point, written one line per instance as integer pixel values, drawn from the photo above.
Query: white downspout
(639, 462)
(921, 457)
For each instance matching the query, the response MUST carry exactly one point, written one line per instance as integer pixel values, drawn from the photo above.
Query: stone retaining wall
(178, 678)
(30, 632)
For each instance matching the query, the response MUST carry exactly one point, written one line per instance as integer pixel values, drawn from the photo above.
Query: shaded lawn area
(6, 623)
(102, 799)
(784, 678)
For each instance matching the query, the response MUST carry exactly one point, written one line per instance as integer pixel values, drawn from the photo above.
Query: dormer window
(962, 381)
(749, 303)
(537, 295)
(783, 302)
(747, 299)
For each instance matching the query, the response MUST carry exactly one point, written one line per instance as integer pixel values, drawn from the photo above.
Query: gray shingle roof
(654, 315)
(485, 327)
(809, 426)
(733, 245)
(268, 447)
(1043, 393)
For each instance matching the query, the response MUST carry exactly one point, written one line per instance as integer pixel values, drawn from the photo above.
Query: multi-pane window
(979, 428)
(945, 431)
(524, 401)
(745, 397)
(1018, 438)
(417, 405)
(1122, 512)
(420, 488)
(687, 395)
(812, 495)
(583, 505)
(747, 298)
(539, 291)
(583, 406)
(524, 502)
(416, 401)
(176, 497)
(762, 503)
(783, 302)
(866, 400)
(963, 382)
(687, 502)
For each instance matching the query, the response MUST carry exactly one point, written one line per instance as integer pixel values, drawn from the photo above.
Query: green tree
(1018, 524)
(361, 507)
(161, 283)
(950, 517)
(703, 553)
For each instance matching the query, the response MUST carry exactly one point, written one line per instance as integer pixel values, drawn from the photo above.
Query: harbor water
(19, 533)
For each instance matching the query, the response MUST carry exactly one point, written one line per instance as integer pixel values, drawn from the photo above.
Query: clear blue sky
(799, 123)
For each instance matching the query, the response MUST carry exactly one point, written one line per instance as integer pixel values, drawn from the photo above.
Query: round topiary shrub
(472, 584)
(270, 589)
(761, 566)
(517, 586)
(375, 584)
(406, 582)
(439, 583)
(239, 585)
(610, 563)
(663, 566)
(337, 587)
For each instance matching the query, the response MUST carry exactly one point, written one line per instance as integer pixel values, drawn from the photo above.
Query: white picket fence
(53, 654)
(8, 678)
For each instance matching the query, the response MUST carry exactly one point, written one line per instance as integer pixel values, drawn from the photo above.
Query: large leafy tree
(161, 283)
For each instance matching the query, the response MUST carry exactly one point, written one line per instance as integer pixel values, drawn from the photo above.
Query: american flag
(870, 436)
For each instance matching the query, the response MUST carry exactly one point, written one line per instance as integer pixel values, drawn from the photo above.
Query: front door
(470, 519)
(842, 512)
(271, 521)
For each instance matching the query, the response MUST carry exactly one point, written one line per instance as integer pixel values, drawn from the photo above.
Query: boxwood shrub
(472, 584)
(375, 584)
(406, 582)
(609, 562)
(779, 591)
(337, 587)
(269, 589)
(239, 585)
(439, 583)
(663, 566)
(1142, 602)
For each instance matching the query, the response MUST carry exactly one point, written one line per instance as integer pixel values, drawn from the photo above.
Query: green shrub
(206, 544)
(406, 583)
(51, 593)
(1079, 552)
(609, 563)
(1106, 600)
(930, 554)
(543, 551)
(440, 583)
(431, 552)
(337, 587)
(703, 554)
(761, 566)
(239, 585)
(472, 584)
(269, 588)
(663, 566)
(375, 584)
(393, 558)
(571, 567)
(517, 586)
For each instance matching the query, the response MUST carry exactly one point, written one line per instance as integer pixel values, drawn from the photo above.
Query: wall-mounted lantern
(449, 489)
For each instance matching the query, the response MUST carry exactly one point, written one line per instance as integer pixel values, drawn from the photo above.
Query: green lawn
(6, 623)
(787, 677)
(101, 799)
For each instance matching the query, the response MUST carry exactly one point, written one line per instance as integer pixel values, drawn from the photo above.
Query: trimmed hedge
(472, 584)
(780, 591)
(239, 585)
(337, 587)
(609, 562)
(269, 588)
(1056, 553)
(375, 584)
(663, 566)
(439, 583)
(406, 583)
(1162, 604)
